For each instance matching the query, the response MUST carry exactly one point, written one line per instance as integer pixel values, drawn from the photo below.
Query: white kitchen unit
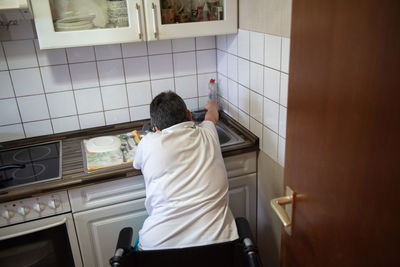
(242, 178)
(73, 23)
(100, 211)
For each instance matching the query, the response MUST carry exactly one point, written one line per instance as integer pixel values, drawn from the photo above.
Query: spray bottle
(212, 90)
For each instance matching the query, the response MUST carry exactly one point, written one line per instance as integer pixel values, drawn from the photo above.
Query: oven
(37, 232)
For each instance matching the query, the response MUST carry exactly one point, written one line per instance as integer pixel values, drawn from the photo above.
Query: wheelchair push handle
(123, 245)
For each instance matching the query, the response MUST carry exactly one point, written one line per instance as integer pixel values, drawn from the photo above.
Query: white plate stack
(74, 23)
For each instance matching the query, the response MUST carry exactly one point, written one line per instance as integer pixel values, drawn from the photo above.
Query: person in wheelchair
(185, 177)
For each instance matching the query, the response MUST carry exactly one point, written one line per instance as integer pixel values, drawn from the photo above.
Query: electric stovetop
(30, 164)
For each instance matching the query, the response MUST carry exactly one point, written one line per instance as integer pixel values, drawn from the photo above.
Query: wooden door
(342, 147)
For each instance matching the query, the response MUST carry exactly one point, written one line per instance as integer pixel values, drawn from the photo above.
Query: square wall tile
(192, 103)
(221, 42)
(20, 54)
(3, 62)
(161, 66)
(80, 54)
(114, 97)
(206, 61)
(11, 132)
(139, 93)
(88, 100)
(282, 121)
(65, 124)
(257, 47)
(232, 43)
(184, 44)
(234, 112)
(164, 85)
(224, 105)
(244, 72)
(84, 75)
(257, 129)
(272, 80)
(272, 51)
(244, 44)
(104, 52)
(134, 49)
(284, 89)
(222, 85)
(61, 104)
(203, 100)
(140, 113)
(6, 86)
(159, 47)
(205, 42)
(271, 115)
(22, 31)
(117, 116)
(27, 82)
(203, 81)
(281, 151)
(285, 55)
(244, 119)
(184, 63)
(49, 57)
(233, 92)
(186, 87)
(222, 62)
(232, 67)
(244, 99)
(9, 112)
(136, 69)
(111, 72)
(92, 120)
(38, 128)
(257, 77)
(56, 78)
(33, 108)
(270, 143)
(256, 106)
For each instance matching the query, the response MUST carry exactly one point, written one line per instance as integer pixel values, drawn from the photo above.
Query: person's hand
(212, 105)
(212, 111)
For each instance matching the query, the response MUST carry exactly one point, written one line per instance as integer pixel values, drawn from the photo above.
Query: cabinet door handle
(154, 12)
(139, 21)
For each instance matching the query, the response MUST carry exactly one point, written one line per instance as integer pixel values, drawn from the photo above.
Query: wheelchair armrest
(123, 245)
(246, 238)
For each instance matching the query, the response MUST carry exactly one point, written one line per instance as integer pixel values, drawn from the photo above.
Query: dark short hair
(168, 109)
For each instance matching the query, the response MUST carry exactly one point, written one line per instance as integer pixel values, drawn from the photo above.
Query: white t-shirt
(186, 188)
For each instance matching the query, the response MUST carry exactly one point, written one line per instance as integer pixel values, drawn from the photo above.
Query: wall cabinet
(72, 23)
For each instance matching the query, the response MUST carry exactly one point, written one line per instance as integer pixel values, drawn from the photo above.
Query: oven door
(45, 242)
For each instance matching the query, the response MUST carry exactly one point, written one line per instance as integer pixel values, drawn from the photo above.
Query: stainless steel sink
(226, 136)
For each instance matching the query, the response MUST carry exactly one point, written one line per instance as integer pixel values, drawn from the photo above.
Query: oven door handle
(37, 229)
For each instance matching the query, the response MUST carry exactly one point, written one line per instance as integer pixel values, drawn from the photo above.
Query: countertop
(73, 174)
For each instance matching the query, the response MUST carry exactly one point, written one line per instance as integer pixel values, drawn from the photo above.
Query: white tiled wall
(252, 70)
(53, 91)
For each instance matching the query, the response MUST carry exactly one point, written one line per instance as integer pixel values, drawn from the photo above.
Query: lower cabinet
(98, 229)
(243, 198)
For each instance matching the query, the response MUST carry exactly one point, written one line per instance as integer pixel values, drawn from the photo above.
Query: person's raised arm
(212, 111)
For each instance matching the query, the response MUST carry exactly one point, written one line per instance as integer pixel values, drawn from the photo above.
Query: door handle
(139, 21)
(154, 13)
(286, 216)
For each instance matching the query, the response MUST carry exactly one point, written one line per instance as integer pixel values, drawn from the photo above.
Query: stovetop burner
(30, 164)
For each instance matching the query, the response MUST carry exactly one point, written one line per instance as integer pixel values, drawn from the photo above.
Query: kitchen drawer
(241, 164)
(107, 193)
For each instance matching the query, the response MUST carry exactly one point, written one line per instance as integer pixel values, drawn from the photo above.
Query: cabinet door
(98, 229)
(71, 23)
(168, 19)
(243, 198)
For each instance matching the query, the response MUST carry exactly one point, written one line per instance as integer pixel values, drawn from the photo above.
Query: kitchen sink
(226, 136)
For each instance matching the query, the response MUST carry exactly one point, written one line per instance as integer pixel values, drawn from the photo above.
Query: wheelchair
(238, 253)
